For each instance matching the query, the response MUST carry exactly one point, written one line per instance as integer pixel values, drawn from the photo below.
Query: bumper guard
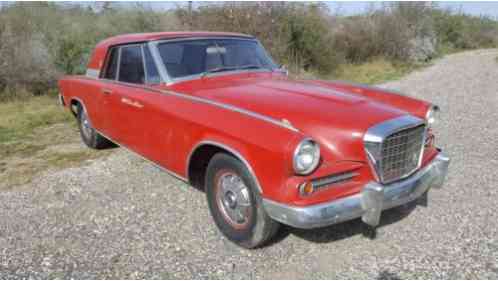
(367, 204)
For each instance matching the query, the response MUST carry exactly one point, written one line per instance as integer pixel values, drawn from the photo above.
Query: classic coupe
(214, 110)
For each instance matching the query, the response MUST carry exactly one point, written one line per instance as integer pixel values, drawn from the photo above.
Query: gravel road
(120, 217)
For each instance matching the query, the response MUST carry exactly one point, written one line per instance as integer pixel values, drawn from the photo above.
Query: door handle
(106, 91)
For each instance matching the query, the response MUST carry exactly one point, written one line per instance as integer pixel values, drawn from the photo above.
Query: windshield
(203, 56)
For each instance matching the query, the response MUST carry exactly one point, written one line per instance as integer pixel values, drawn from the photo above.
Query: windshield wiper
(217, 69)
(253, 66)
(228, 68)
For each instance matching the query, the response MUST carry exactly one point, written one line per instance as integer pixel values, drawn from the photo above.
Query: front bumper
(367, 204)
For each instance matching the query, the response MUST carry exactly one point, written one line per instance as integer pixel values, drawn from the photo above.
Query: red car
(214, 110)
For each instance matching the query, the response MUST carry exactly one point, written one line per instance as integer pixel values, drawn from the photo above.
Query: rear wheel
(235, 203)
(88, 134)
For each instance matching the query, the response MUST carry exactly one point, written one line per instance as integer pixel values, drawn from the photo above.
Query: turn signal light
(306, 188)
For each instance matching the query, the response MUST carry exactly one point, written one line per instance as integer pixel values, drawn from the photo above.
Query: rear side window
(131, 68)
(150, 67)
(112, 64)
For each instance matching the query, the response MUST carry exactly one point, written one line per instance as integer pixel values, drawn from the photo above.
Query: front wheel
(235, 203)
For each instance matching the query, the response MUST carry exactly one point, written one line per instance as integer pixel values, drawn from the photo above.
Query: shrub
(41, 41)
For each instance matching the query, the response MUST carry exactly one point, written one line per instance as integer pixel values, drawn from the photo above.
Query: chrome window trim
(146, 80)
(118, 68)
(154, 60)
(193, 38)
(376, 135)
(119, 60)
(163, 73)
(228, 148)
(106, 63)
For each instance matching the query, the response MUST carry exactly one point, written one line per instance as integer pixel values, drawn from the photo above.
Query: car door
(135, 113)
(127, 107)
(107, 99)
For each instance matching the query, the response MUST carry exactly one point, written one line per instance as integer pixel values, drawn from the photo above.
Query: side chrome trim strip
(231, 150)
(143, 157)
(236, 109)
(253, 114)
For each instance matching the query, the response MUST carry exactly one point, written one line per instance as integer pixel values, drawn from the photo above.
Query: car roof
(97, 60)
(143, 37)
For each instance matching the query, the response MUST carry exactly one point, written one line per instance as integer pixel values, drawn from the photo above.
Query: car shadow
(349, 228)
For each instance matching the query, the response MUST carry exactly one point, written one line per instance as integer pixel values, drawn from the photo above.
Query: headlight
(306, 157)
(432, 115)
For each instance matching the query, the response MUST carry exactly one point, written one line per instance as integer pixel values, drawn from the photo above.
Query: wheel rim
(234, 199)
(86, 127)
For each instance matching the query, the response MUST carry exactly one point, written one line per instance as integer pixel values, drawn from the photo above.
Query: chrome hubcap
(87, 127)
(234, 199)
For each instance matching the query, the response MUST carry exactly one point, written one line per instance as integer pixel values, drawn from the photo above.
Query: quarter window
(131, 68)
(112, 64)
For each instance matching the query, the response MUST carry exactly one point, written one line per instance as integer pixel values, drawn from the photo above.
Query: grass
(37, 134)
(374, 72)
(20, 118)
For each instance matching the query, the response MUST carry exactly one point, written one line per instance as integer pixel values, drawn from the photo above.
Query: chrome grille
(401, 153)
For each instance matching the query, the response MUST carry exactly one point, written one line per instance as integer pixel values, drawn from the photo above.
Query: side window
(150, 67)
(131, 68)
(112, 64)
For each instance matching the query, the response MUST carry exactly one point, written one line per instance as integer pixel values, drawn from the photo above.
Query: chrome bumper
(367, 204)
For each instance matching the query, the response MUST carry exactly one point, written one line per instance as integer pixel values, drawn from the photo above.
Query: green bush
(41, 41)
(461, 32)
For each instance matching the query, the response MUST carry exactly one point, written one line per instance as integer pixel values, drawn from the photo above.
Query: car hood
(337, 119)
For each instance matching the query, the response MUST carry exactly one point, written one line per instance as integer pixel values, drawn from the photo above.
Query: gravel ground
(123, 218)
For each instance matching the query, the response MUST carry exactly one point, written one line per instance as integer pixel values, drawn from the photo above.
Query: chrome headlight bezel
(306, 143)
(431, 116)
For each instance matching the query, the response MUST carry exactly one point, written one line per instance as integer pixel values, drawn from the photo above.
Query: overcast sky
(474, 8)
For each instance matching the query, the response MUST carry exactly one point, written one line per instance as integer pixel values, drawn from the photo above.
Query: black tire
(88, 134)
(257, 228)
